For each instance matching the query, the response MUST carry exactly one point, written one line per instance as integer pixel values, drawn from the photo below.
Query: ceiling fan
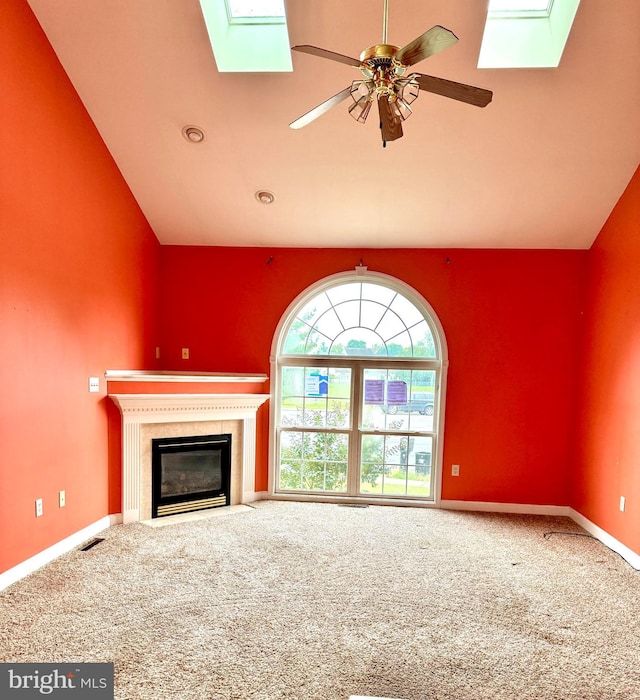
(385, 80)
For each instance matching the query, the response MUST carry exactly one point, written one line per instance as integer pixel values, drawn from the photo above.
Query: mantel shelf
(128, 375)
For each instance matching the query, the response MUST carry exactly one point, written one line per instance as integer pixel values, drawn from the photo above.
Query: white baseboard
(253, 496)
(490, 507)
(48, 555)
(633, 558)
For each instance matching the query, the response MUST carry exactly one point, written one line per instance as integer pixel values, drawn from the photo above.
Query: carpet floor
(320, 601)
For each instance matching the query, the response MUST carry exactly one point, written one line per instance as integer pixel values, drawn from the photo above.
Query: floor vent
(91, 544)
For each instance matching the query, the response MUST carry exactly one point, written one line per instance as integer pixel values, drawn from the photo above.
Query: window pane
(372, 312)
(520, 5)
(329, 324)
(394, 465)
(398, 400)
(317, 344)
(344, 292)
(313, 461)
(406, 310)
(422, 338)
(315, 397)
(358, 342)
(400, 346)
(377, 292)
(295, 342)
(256, 8)
(390, 326)
(372, 464)
(349, 313)
(315, 307)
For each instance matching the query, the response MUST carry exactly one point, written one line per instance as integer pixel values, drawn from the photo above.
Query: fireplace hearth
(190, 473)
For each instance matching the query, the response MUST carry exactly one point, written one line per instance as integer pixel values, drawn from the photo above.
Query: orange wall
(512, 321)
(609, 437)
(78, 289)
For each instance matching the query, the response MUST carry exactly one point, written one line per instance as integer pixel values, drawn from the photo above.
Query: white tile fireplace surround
(148, 416)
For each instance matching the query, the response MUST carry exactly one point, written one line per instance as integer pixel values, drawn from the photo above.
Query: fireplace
(190, 473)
(146, 417)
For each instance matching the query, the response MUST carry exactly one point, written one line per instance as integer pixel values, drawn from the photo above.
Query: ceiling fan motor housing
(378, 63)
(379, 54)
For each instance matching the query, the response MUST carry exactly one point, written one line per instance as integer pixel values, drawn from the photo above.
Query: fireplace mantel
(162, 408)
(142, 409)
(133, 375)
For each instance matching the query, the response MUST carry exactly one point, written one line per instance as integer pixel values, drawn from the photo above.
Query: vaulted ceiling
(540, 167)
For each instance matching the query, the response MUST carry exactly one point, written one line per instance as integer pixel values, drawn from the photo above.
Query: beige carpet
(300, 601)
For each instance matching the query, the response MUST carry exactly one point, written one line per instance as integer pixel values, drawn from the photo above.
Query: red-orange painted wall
(608, 441)
(512, 321)
(78, 279)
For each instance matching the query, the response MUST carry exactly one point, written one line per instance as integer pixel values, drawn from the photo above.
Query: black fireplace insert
(190, 473)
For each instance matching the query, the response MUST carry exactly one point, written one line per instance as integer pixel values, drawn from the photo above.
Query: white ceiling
(540, 167)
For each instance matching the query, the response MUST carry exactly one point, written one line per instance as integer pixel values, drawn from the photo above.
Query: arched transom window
(358, 393)
(360, 319)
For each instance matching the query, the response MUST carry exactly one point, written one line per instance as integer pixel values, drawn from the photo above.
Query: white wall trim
(608, 540)
(130, 375)
(48, 555)
(491, 507)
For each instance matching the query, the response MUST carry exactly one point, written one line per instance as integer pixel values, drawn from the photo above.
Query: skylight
(248, 35)
(526, 33)
(256, 11)
(524, 8)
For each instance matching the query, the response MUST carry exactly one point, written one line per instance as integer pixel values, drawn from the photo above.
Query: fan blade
(390, 124)
(456, 91)
(323, 53)
(432, 41)
(323, 107)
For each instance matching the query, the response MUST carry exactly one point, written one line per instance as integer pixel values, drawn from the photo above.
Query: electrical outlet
(622, 503)
(38, 507)
(185, 353)
(62, 496)
(455, 470)
(94, 384)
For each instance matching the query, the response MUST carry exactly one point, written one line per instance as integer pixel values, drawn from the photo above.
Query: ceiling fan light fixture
(362, 96)
(401, 109)
(360, 110)
(361, 88)
(408, 90)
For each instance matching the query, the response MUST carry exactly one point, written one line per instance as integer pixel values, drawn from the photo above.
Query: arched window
(358, 393)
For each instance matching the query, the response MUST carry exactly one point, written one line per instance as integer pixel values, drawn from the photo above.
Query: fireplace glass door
(190, 473)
